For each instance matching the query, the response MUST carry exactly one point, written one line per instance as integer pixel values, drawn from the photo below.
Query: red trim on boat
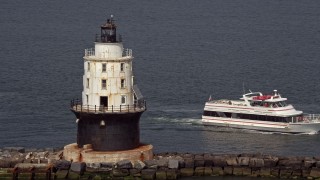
(248, 108)
(244, 122)
(264, 97)
(281, 109)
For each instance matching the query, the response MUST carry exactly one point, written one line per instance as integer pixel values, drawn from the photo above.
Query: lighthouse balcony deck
(77, 106)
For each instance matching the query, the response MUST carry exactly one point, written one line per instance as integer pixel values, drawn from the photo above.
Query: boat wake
(189, 121)
(311, 133)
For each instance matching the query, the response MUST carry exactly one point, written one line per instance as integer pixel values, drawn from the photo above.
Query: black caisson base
(108, 131)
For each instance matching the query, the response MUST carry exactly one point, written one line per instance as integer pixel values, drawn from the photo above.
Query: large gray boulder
(5, 154)
(189, 163)
(94, 165)
(219, 161)
(107, 165)
(309, 163)
(148, 174)
(139, 165)
(124, 164)
(232, 161)
(243, 161)
(120, 172)
(5, 163)
(27, 166)
(271, 161)
(172, 174)
(256, 162)
(78, 167)
(151, 164)
(315, 172)
(180, 161)
(173, 164)
(162, 162)
(62, 165)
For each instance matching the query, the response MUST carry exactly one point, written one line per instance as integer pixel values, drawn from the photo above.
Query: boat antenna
(244, 90)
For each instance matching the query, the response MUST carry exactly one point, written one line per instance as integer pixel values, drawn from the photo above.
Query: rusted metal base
(108, 131)
(88, 155)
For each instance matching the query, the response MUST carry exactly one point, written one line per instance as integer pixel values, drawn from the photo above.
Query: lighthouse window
(122, 83)
(88, 66)
(104, 67)
(87, 83)
(121, 66)
(104, 84)
(123, 99)
(87, 97)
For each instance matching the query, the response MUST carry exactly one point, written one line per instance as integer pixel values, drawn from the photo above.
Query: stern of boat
(309, 125)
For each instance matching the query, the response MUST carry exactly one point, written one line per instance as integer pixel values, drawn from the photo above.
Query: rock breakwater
(21, 163)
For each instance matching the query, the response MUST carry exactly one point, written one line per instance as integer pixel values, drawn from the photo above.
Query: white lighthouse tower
(108, 79)
(109, 113)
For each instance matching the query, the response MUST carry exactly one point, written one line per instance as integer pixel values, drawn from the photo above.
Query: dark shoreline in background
(47, 163)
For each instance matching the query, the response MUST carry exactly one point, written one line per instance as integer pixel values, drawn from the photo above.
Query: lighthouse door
(104, 101)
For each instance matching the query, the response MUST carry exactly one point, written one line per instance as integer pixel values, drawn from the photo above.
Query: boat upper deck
(255, 99)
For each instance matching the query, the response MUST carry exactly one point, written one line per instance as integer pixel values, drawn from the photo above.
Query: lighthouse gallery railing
(77, 106)
(91, 52)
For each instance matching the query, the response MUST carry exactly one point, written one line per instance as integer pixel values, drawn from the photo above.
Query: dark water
(184, 51)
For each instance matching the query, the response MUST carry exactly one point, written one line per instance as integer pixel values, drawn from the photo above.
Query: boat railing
(229, 102)
(306, 118)
(311, 117)
(76, 105)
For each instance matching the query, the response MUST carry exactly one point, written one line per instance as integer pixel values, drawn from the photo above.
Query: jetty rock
(175, 165)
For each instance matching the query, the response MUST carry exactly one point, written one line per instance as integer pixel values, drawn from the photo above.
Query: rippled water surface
(185, 50)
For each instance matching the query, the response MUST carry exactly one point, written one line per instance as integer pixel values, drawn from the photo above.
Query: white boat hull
(295, 128)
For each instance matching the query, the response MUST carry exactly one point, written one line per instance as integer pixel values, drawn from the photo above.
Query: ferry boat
(257, 111)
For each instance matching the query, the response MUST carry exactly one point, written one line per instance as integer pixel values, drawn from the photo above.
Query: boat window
(264, 118)
(221, 114)
(274, 105)
(288, 119)
(297, 118)
(251, 116)
(257, 103)
(235, 115)
(266, 104)
(282, 104)
(227, 114)
(210, 113)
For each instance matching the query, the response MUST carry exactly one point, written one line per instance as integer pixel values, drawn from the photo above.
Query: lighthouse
(108, 115)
